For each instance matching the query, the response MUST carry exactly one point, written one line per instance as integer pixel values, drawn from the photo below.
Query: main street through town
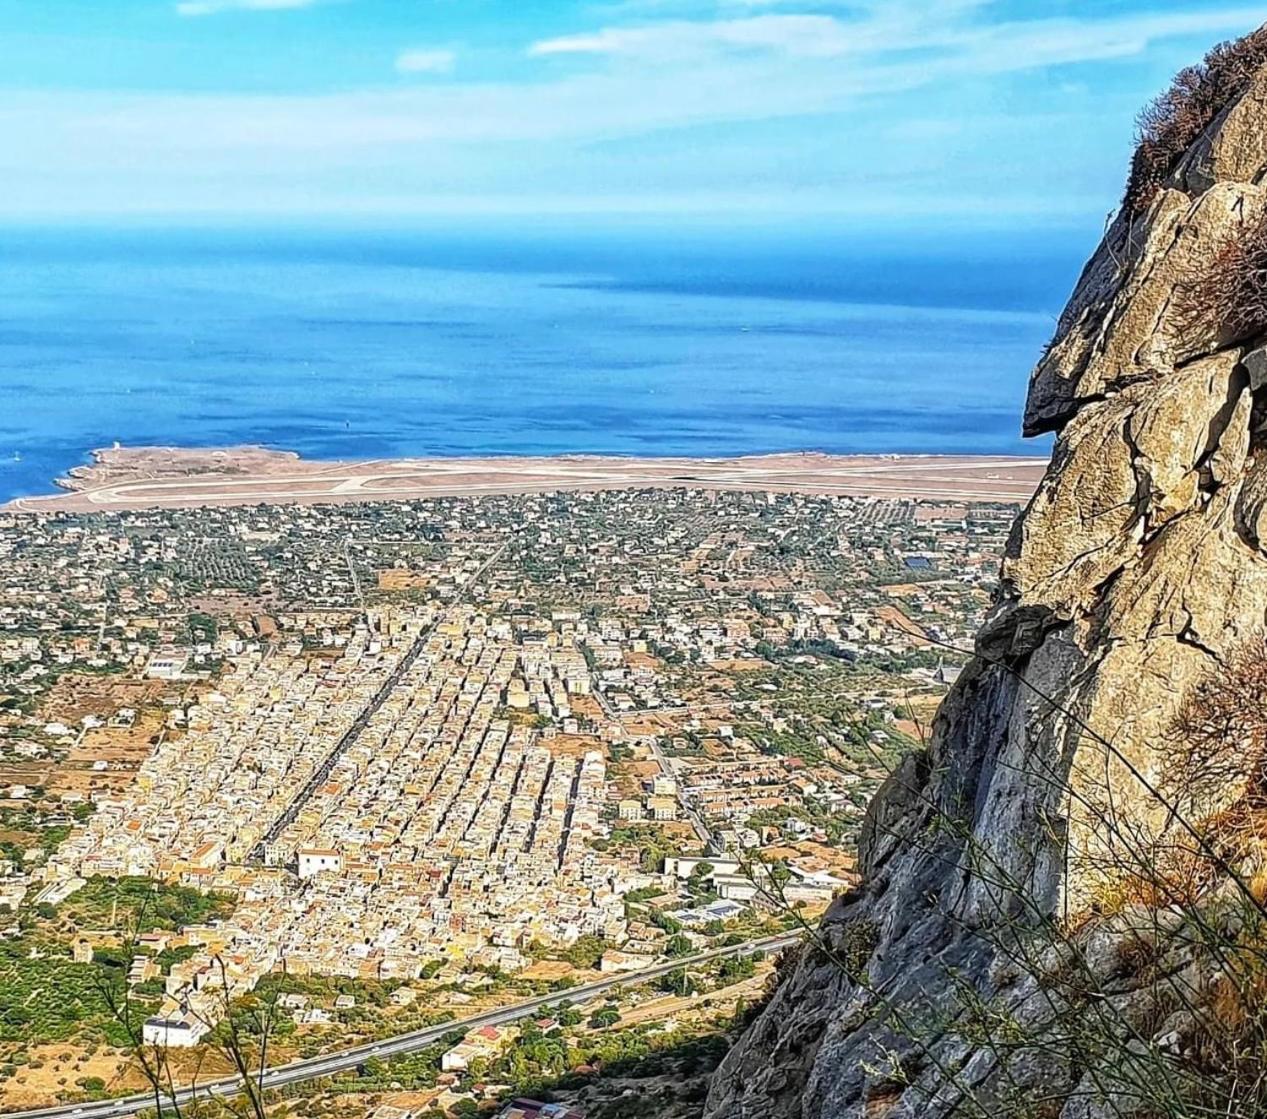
(327, 1065)
(322, 773)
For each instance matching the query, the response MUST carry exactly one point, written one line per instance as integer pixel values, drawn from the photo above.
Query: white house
(315, 860)
(177, 1031)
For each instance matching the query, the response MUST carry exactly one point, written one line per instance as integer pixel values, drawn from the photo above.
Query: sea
(634, 337)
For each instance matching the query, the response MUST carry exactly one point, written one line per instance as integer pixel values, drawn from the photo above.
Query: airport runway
(160, 484)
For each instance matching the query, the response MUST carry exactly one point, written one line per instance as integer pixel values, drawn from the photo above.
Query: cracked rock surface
(1139, 564)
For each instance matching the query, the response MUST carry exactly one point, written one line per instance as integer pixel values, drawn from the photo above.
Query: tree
(663, 921)
(701, 873)
(586, 951)
(734, 968)
(679, 945)
(677, 982)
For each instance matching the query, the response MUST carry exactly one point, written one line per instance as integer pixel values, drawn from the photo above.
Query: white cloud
(790, 77)
(882, 28)
(215, 7)
(590, 93)
(806, 36)
(425, 61)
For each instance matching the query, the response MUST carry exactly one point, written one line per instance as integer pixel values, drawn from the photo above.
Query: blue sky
(1009, 113)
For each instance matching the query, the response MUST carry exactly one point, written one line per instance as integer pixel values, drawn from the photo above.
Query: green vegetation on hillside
(123, 903)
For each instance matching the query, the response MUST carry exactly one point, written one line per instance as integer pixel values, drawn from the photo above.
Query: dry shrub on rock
(1231, 294)
(1172, 123)
(1219, 736)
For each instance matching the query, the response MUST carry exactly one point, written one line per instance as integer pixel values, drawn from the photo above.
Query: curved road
(315, 1067)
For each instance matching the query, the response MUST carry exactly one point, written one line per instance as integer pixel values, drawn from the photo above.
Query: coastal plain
(127, 478)
(409, 763)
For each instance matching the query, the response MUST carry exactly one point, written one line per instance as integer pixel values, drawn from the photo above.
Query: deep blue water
(372, 343)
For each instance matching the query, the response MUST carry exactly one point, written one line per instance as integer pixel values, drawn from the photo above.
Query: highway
(316, 1067)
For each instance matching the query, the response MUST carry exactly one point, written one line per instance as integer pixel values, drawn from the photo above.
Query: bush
(1219, 738)
(1231, 295)
(604, 1017)
(1172, 123)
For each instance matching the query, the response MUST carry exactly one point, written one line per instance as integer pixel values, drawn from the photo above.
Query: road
(322, 773)
(316, 1067)
(345, 743)
(688, 810)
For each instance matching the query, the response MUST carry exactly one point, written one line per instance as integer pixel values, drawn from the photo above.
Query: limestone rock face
(1140, 563)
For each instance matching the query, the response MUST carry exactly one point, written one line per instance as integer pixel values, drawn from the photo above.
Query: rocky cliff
(1139, 567)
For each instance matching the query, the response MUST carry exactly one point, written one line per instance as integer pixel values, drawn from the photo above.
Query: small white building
(167, 665)
(174, 1031)
(483, 1042)
(682, 867)
(316, 860)
(662, 808)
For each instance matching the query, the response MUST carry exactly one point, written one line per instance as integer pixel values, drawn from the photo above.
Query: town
(396, 740)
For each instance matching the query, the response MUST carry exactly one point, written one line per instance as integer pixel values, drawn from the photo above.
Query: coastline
(132, 478)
